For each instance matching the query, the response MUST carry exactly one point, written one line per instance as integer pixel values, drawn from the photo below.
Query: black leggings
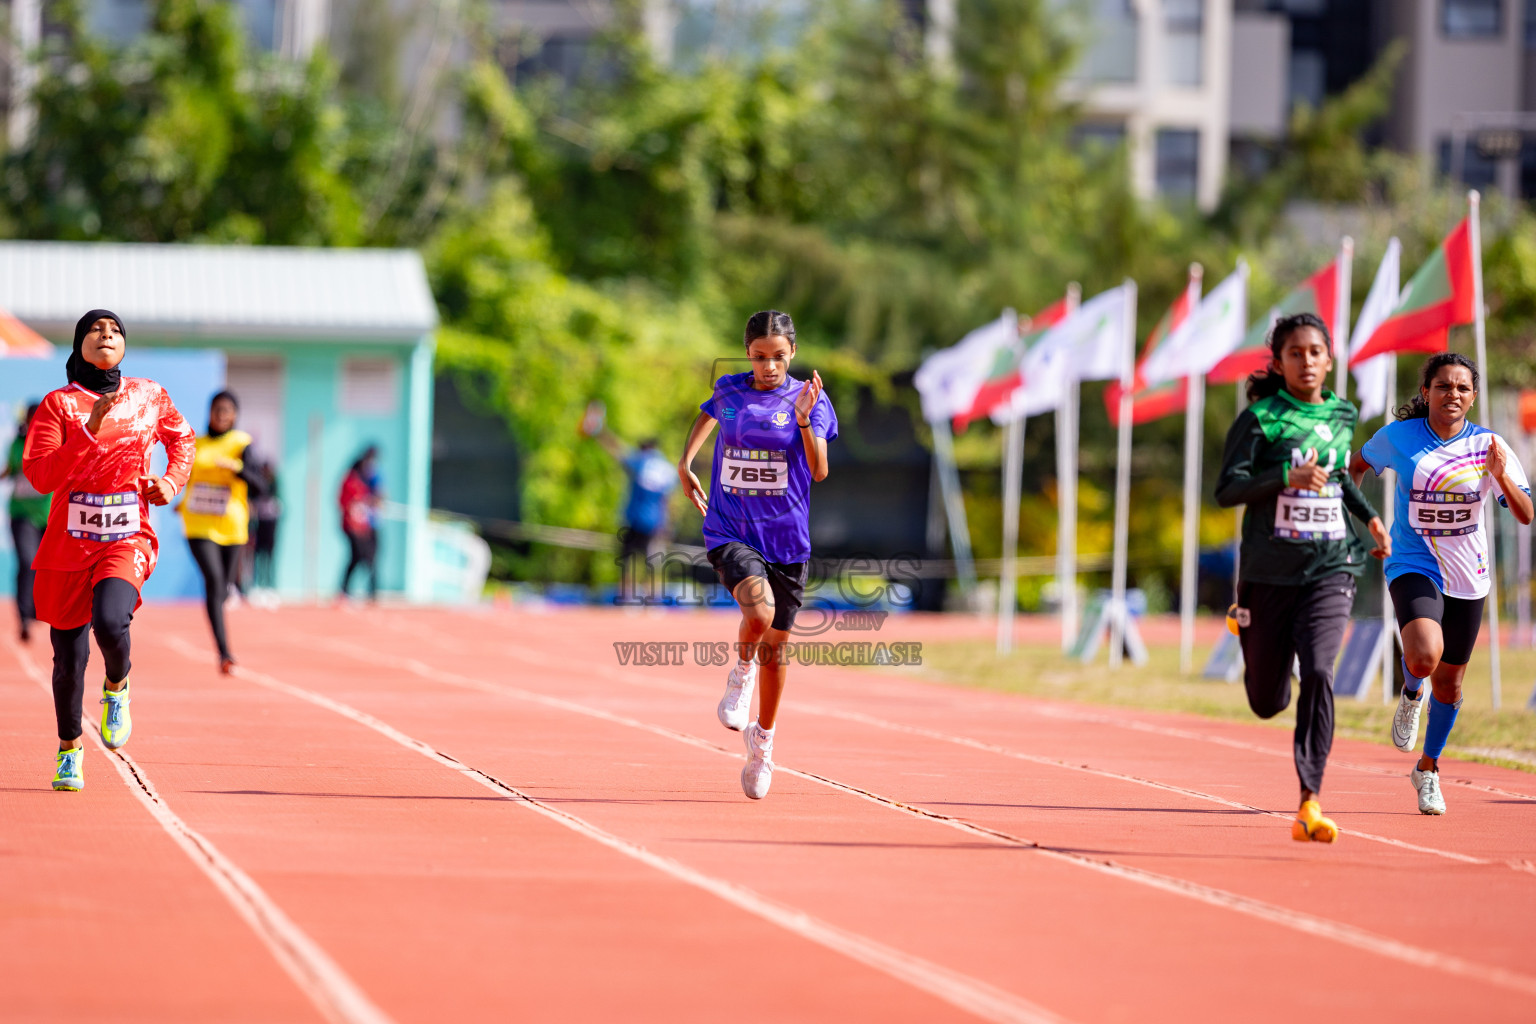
(365, 548)
(218, 563)
(27, 535)
(112, 603)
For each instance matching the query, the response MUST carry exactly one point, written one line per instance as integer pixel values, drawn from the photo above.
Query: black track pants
(1279, 623)
(112, 604)
(218, 563)
(365, 550)
(26, 535)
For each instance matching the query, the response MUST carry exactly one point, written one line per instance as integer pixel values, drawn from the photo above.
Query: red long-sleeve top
(61, 456)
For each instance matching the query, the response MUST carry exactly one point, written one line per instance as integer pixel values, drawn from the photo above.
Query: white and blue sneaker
(757, 776)
(116, 722)
(1405, 721)
(1428, 785)
(69, 773)
(736, 706)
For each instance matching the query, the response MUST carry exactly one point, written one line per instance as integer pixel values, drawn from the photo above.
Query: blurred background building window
(1111, 52)
(1477, 170)
(122, 21)
(1184, 21)
(1472, 19)
(1178, 163)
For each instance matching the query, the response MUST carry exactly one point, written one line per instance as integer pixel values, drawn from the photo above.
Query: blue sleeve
(712, 405)
(824, 418)
(1378, 451)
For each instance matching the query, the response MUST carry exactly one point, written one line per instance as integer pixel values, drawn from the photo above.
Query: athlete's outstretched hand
(1308, 476)
(693, 489)
(807, 400)
(100, 408)
(157, 489)
(1383, 539)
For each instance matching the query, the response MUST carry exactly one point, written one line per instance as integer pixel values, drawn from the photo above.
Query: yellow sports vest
(215, 506)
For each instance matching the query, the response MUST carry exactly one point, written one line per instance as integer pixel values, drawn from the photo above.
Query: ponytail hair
(1268, 382)
(1417, 408)
(766, 324)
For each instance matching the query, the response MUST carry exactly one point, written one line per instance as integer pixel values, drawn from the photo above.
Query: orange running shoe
(1311, 825)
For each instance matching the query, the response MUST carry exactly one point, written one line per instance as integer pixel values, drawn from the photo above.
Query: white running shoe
(1405, 722)
(757, 776)
(736, 706)
(1428, 785)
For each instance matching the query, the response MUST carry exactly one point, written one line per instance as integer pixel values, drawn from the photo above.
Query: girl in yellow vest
(216, 512)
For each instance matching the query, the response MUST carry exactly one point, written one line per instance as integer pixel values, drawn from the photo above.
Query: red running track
(417, 815)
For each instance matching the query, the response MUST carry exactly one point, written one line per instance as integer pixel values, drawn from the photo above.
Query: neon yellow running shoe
(70, 773)
(116, 722)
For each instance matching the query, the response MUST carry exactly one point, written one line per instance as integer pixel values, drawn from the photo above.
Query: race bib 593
(1444, 513)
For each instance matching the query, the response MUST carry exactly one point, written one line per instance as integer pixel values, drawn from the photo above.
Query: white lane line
(959, 990)
(965, 741)
(1296, 920)
(335, 995)
(538, 658)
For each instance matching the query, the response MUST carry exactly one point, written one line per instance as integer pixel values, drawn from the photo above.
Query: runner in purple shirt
(773, 439)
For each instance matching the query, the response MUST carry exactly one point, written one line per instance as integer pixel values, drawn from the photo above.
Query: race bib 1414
(103, 517)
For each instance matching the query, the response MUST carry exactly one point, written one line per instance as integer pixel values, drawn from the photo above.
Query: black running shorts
(1415, 596)
(735, 562)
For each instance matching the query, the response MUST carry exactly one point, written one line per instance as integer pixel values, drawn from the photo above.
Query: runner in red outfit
(90, 444)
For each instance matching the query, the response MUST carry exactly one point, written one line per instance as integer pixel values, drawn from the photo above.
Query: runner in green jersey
(1286, 459)
(28, 512)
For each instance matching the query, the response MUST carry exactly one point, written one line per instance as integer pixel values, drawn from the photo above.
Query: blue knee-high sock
(1412, 684)
(1441, 718)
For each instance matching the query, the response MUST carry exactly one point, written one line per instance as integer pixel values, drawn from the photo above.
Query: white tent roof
(219, 291)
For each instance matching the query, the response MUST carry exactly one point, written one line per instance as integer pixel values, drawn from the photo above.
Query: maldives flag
(1437, 298)
(1005, 376)
(1317, 294)
(1153, 402)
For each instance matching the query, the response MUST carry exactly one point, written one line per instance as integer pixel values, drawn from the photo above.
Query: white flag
(1096, 336)
(1207, 336)
(1088, 345)
(1371, 384)
(948, 380)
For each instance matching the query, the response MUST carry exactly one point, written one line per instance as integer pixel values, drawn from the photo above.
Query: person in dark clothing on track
(29, 518)
(360, 498)
(1287, 459)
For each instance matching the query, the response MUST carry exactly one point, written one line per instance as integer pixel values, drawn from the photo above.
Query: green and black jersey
(1268, 438)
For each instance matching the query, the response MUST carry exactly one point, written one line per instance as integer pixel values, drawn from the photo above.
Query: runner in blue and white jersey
(1438, 572)
(773, 439)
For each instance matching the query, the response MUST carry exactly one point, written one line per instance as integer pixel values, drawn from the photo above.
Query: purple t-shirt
(760, 494)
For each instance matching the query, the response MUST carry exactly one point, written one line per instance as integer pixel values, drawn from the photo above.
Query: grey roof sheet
(214, 291)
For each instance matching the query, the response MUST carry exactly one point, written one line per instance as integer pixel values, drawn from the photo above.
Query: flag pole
(1066, 495)
(1013, 481)
(1194, 424)
(954, 505)
(1341, 315)
(1480, 333)
(1117, 610)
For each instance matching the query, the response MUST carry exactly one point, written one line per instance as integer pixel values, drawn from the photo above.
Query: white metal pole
(1485, 403)
(1117, 610)
(1008, 585)
(1523, 560)
(1388, 486)
(1066, 496)
(954, 506)
(1345, 266)
(1194, 435)
(1237, 535)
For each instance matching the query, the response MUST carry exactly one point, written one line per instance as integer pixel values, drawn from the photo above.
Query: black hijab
(79, 371)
